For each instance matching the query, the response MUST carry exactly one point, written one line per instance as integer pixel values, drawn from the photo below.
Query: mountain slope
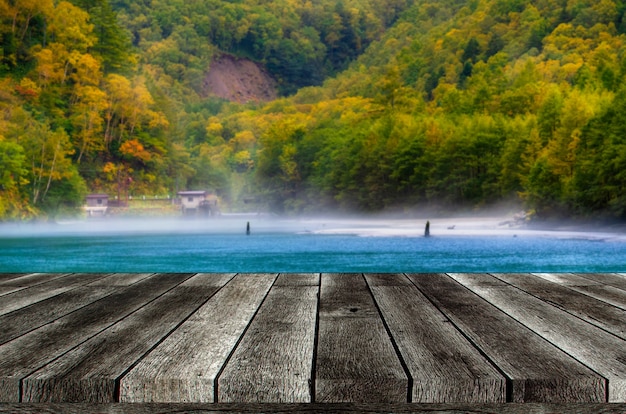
(239, 80)
(472, 103)
(387, 104)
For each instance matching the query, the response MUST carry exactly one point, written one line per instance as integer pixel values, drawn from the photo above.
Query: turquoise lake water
(283, 248)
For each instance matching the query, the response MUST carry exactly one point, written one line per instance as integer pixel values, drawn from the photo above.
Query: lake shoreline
(468, 226)
(497, 225)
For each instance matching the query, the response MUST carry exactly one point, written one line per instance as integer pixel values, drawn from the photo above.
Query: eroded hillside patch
(239, 80)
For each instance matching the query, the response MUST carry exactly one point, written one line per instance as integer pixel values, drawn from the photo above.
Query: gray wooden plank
(42, 291)
(29, 352)
(35, 315)
(28, 279)
(121, 279)
(594, 311)
(606, 293)
(183, 368)
(25, 281)
(274, 361)
(598, 349)
(538, 371)
(356, 360)
(617, 280)
(10, 276)
(568, 279)
(345, 408)
(444, 366)
(90, 372)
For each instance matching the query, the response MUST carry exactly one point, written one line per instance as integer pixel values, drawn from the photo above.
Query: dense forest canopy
(385, 104)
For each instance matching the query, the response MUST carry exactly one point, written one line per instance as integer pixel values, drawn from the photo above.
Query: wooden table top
(311, 340)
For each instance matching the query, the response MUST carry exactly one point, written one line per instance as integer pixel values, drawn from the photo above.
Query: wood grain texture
(568, 279)
(42, 291)
(183, 368)
(356, 360)
(597, 349)
(26, 280)
(24, 320)
(617, 280)
(258, 331)
(538, 371)
(594, 311)
(121, 279)
(444, 366)
(591, 285)
(345, 408)
(90, 372)
(29, 352)
(9, 276)
(274, 361)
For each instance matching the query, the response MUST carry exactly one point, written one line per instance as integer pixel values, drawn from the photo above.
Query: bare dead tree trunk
(54, 161)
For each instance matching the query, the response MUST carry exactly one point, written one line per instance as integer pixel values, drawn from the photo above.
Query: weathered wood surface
(14, 284)
(28, 318)
(537, 370)
(228, 342)
(356, 360)
(594, 347)
(617, 280)
(184, 367)
(596, 312)
(29, 352)
(90, 371)
(613, 291)
(273, 362)
(343, 408)
(8, 276)
(42, 291)
(443, 365)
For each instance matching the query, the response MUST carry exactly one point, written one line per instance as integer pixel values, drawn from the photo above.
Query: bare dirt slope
(239, 80)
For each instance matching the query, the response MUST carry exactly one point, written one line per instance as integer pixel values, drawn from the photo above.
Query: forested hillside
(386, 104)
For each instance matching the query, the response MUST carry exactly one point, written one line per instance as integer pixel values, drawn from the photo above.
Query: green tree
(47, 154)
(113, 43)
(543, 190)
(12, 169)
(599, 180)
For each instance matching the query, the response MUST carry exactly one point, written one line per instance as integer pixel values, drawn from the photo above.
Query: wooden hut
(197, 203)
(96, 205)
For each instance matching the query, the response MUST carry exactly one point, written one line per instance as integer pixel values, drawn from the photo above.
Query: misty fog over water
(304, 245)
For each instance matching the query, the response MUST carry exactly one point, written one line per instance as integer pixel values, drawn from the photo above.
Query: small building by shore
(96, 205)
(198, 203)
